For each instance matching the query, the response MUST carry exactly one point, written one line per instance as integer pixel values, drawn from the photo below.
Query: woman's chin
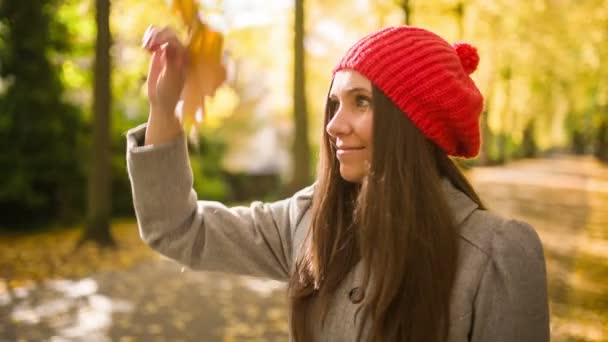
(349, 174)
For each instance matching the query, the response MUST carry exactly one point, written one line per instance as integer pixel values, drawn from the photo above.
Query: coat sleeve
(511, 303)
(206, 235)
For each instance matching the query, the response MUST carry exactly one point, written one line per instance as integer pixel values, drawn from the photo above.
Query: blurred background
(72, 82)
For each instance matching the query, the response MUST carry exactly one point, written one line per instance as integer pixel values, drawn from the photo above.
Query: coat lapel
(460, 204)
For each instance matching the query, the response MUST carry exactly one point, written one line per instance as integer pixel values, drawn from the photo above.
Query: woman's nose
(338, 125)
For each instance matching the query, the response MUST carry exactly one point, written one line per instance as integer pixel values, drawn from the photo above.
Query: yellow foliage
(220, 107)
(53, 254)
(205, 69)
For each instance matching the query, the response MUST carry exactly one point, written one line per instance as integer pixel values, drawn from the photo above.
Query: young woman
(391, 243)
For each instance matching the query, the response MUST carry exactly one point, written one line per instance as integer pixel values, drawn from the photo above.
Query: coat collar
(460, 204)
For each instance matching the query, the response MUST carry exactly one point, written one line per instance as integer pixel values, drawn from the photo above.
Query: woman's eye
(363, 101)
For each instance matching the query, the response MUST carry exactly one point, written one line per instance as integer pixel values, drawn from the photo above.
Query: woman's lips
(347, 151)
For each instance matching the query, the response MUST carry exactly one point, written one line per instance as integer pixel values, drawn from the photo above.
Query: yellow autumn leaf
(186, 9)
(205, 69)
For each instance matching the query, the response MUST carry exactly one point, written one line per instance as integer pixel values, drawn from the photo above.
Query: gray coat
(500, 293)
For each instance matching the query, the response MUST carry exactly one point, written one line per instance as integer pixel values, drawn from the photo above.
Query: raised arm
(255, 240)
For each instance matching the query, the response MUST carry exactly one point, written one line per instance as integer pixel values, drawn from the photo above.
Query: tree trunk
(501, 142)
(99, 197)
(301, 147)
(407, 11)
(459, 13)
(486, 138)
(601, 140)
(528, 145)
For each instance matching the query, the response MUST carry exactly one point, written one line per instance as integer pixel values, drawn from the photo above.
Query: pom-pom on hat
(428, 79)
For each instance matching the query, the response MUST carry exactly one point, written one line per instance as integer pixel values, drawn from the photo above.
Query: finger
(147, 35)
(162, 36)
(156, 66)
(176, 55)
(174, 69)
(166, 39)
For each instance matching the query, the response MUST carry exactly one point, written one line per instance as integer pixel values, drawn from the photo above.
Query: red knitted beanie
(427, 79)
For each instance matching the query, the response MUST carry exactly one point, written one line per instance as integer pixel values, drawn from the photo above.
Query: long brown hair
(397, 222)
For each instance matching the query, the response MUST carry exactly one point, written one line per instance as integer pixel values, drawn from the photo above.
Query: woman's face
(350, 127)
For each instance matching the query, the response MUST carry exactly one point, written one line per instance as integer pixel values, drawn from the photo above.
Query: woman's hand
(166, 78)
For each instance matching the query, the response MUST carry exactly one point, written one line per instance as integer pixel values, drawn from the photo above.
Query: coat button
(356, 295)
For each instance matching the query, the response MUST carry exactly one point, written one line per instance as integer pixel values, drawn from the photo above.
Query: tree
(601, 141)
(301, 146)
(99, 197)
(41, 174)
(405, 5)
